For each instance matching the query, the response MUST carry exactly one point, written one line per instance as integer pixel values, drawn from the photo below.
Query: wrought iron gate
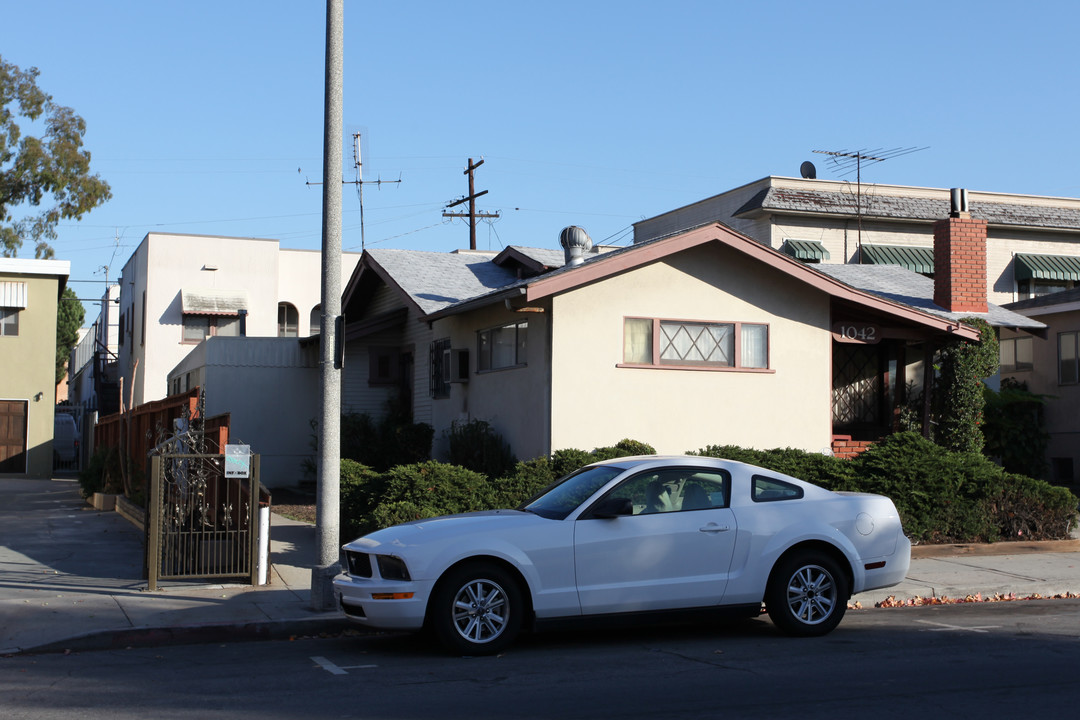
(200, 524)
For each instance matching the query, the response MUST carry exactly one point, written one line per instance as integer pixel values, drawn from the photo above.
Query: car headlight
(392, 568)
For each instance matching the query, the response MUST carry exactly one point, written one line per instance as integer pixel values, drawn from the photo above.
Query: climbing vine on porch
(961, 369)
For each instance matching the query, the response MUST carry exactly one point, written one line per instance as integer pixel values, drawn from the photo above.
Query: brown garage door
(13, 436)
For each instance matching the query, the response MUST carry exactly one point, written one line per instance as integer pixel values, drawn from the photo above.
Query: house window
(1015, 354)
(9, 322)
(315, 324)
(1068, 355)
(384, 365)
(438, 383)
(1033, 287)
(688, 344)
(199, 327)
(502, 347)
(287, 320)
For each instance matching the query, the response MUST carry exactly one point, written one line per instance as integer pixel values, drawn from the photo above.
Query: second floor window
(199, 327)
(288, 320)
(1069, 358)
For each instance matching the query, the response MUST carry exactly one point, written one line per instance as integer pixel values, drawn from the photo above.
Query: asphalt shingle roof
(437, 280)
(908, 208)
(901, 285)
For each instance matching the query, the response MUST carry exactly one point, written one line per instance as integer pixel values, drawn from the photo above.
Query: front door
(673, 552)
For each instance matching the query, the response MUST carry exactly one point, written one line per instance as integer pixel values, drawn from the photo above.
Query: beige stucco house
(1049, 364)
(698, 337)
(29, 293)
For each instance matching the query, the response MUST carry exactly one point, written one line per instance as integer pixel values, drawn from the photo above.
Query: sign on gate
(237, 461)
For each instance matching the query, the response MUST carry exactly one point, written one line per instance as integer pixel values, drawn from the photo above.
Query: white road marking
(946, 627)
(334, 669)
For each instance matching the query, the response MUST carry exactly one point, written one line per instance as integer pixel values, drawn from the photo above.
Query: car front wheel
(476, 609)
(807, 594)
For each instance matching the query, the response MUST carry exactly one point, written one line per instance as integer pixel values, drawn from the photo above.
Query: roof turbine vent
(575, 242)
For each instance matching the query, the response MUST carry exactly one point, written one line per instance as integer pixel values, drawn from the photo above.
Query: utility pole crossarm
(472, 215)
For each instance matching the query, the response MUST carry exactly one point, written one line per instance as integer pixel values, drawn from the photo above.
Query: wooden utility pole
(471, 199)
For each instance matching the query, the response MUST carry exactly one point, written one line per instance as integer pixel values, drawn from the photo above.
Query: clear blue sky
(206, 117)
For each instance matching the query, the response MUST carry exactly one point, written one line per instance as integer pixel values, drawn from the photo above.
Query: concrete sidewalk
(71, 579)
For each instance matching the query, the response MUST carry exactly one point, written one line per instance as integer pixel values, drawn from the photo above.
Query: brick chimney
(960, 259)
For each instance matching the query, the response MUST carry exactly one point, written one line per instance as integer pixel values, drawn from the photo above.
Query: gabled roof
(429, 281)
(619, 261)
(532, 261)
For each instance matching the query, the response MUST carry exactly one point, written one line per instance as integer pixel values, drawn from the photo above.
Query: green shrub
(1015, 430)
(527, 480)
(567, 460)
(824, 470)
(477, 446)
(422, 490)
(360, 489)
(1029, 509)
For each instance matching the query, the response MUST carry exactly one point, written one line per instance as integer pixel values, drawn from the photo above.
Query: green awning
(805, 250)
(1047, 267)
(916, 259)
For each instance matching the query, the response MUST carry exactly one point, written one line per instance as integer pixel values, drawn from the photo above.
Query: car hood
(445, 528)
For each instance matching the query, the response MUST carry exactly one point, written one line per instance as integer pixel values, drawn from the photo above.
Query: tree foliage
(51, 169)
(69, 318)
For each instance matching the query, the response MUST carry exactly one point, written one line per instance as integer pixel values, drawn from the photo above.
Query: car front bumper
(383, 604)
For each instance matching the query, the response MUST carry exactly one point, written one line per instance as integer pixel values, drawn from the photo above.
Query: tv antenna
(844, 160)
(359, 182)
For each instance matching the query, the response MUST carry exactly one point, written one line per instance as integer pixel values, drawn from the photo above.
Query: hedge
(941, 496)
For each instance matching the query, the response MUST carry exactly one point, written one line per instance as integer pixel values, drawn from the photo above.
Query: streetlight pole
(330, 339)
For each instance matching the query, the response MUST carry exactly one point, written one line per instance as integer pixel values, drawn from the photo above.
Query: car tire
(476, 609)
(807, 594)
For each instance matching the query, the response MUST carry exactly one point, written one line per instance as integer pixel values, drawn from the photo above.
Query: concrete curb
(1000, 548)
(202, 633)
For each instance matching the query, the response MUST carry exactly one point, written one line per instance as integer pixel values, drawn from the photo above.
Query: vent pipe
(958, 203)
(575, 242)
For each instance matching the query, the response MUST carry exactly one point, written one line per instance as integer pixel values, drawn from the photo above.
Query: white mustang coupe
(639, 535)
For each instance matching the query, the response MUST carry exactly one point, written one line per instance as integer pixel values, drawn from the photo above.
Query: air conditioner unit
(456, 366)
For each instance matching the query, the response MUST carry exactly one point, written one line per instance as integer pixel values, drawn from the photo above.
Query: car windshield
(561, 499)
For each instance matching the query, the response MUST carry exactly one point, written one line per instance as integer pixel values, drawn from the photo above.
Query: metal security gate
(200, 524)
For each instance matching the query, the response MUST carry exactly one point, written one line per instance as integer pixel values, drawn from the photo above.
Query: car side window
(766, 489)
(675, 490)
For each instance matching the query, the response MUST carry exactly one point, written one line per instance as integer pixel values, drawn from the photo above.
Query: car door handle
(714, 528)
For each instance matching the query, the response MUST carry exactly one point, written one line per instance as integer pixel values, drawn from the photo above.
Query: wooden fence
(137, 431)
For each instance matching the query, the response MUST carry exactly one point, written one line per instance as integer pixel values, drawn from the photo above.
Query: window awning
(1047, 267)
(12, 294)
(200, 301)
(805, 250)
(916, 259)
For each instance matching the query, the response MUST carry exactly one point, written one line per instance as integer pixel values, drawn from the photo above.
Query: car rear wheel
(807, 594)
(476, 609)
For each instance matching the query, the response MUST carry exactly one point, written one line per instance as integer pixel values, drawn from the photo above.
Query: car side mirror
(612, 507)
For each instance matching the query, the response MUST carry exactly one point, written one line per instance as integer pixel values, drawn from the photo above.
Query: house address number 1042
(856, 332)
